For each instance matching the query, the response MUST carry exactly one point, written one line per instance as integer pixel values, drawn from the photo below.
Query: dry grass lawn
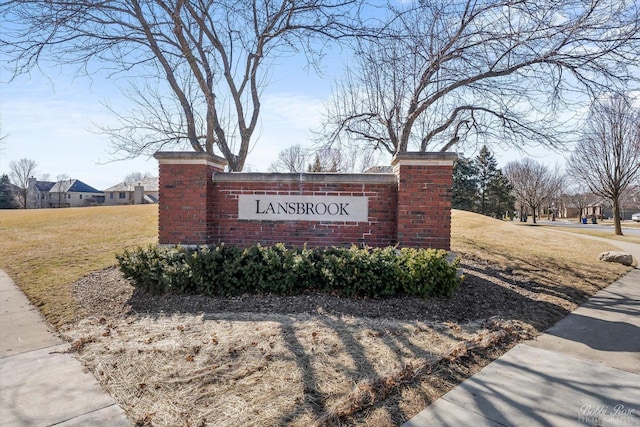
(603, 234)
(301, 361)
(536, 252)
(46, 250)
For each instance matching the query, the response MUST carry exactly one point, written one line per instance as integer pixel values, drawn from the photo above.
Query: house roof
(44, 185)
(151, 199)
(149, 184)
(72, 186)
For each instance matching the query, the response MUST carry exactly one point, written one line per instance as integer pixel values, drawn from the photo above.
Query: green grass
(46, 250)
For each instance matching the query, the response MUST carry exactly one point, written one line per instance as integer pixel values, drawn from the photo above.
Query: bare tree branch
(607, 159)
(291, 159)
(20, 172)
(469, 72)
(210, 56)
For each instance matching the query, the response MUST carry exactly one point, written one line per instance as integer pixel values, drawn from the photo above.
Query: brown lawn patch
(46, 250)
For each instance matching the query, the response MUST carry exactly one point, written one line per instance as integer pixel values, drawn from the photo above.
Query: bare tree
(62, 186)
(461, 72)
(20, 173)
(3, 139)
(202, 63)
(137, 176)
(291, 159)
(357, 157)
(324, 159)
(607, 159)
(533, 184)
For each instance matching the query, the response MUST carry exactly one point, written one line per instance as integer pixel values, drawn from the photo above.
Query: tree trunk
(616, 216)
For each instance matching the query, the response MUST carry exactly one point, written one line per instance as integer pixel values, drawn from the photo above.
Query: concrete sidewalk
(41, 384)
(584, 371)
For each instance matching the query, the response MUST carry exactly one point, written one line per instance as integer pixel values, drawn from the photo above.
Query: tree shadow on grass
(486, 292)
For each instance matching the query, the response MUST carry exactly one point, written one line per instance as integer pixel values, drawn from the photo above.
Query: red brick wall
(380, 231)
(424, 203)
(411, 208)
(185, 212)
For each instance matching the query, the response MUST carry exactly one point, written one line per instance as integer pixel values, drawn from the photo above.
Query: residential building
(62, 194)
(141, 191)
(38, 193)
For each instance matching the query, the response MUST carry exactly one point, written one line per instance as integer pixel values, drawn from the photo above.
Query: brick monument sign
(200, 204)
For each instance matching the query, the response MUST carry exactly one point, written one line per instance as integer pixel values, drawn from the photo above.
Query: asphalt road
(627, 231)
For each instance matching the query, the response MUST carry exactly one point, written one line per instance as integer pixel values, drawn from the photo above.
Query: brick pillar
(424, 199)
(186, 197)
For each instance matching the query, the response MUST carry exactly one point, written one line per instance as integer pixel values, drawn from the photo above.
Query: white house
(141, 191)
(62, 194)
(38, 193)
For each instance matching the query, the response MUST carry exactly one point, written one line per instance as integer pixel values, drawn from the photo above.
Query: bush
(227, 270)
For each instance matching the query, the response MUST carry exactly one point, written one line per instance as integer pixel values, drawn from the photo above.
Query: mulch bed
(485, 292)
(514, 303)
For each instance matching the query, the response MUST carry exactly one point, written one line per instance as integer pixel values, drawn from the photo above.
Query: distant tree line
(324, 159)
(480, 186)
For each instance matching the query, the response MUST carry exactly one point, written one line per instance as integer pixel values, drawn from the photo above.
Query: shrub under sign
(229, 270)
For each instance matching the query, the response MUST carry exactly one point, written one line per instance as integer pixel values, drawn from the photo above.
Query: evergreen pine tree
(494, 191)
(464, 190)
(501, 199)
(486, 166)
(479, 186)
(7, 198)
(316, 166)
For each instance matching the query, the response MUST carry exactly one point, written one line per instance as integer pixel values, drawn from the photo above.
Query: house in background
(593, 210)
(37, 193)
(580, 205)
(70, 193)
(141, 191)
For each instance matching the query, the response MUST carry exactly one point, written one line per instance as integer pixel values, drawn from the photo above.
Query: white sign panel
(303, 208)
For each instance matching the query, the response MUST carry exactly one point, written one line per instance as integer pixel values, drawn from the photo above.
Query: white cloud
(286, 119)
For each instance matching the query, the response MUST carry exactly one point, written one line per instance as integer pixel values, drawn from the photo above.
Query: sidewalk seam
(62, 343)
(86, 413)
(573, 356)
(462, 408)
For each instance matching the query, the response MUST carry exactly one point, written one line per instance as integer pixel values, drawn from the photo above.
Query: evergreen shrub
(352, 272)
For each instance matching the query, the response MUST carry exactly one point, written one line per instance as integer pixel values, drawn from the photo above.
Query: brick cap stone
(424, 158)
(189, 158)
(322, 178)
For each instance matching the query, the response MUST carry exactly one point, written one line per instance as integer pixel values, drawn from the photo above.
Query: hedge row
(228, 270)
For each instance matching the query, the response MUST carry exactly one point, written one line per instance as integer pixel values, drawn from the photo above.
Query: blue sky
(53, 120)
